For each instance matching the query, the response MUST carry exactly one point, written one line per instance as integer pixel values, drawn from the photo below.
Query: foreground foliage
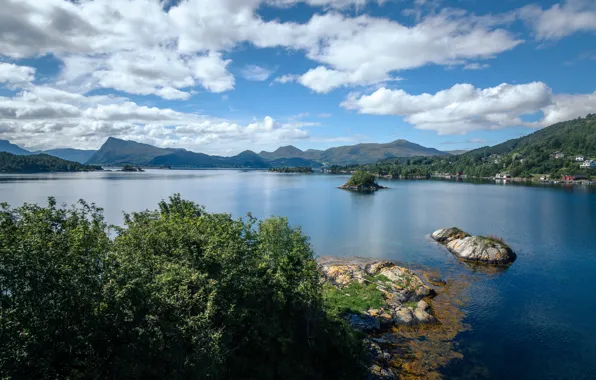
(179, 293)
(40, 163)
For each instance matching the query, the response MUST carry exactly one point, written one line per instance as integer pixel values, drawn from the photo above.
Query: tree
(179, 293)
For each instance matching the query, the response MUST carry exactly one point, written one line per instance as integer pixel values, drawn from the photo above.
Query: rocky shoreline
(406, 302)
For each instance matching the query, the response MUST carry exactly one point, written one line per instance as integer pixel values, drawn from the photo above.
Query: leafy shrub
(179, 293)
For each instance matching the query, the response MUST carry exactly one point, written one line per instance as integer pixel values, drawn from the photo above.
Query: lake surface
(536, 320)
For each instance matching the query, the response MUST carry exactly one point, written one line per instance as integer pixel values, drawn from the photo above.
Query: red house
(571, 178)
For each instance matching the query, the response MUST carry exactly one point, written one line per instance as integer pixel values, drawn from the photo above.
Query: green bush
(362, 178)
(178, 293)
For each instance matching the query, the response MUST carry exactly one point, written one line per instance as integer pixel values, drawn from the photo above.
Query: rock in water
(477, 249)
(446, 235)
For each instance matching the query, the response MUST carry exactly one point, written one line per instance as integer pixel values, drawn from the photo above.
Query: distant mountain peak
(7, 146)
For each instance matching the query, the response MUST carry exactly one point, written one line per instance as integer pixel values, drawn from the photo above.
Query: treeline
(40, 163)
(297, 169)
(179, 293)
(524, 157)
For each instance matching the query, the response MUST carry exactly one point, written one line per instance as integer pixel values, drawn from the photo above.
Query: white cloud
(286, 78)
(137, 47)
(567, 107)
(459, 109)
(476, 66)
(561, 20)
(46, 117)
(14, 75)
(323, 80)
(325, 3)
(256, 73)
(367, 50)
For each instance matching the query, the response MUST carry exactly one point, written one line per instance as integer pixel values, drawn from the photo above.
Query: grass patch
(411, 304)
(354, 298)
(496, 240)
(378, 278)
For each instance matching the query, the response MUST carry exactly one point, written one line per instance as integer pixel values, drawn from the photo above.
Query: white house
(558, 155)
(502, 176)
(579, 158)
(588, 164)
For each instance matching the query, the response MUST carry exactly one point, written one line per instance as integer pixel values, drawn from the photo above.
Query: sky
(223, 76)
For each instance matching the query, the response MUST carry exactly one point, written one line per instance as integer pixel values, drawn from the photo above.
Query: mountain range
(355, 154)
(116, 152)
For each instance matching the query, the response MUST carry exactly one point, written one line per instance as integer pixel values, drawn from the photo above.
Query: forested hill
(39, 163)
(523, 157)
(576, 137)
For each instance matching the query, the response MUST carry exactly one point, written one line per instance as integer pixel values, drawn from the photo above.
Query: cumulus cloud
(141, 48)
(464, 108)
(47, 117)
(562, 19)
(366, 50)
(15, 76)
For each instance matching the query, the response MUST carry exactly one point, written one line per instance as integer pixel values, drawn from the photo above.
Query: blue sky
(222, 76)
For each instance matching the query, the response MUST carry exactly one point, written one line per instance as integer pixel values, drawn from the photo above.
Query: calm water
(533, 321)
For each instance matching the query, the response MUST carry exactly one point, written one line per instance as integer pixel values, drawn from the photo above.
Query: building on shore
(573, 178)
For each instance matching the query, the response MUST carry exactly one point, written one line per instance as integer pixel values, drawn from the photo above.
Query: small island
(294, 169)
(131, 168)
(362, 181)
(475, 249)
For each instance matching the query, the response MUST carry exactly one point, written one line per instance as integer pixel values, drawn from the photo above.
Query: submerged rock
(477, 249)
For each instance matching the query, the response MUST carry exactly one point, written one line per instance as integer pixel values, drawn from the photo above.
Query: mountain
(184, 158)
(355, 154)
(6, 146)
(456, 152)
(69, 154)
(118, 152)
(287, 151)
(39, 163)
(551, 151)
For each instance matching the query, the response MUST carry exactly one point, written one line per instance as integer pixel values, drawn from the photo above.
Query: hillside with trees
(179, 293)
(40, 163)
(549, 151)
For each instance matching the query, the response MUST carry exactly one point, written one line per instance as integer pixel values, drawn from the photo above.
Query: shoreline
(407, 350)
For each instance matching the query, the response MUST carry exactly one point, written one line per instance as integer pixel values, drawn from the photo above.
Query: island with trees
(362, 181)
(131, 168)
(296, 169)
(40, 163)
